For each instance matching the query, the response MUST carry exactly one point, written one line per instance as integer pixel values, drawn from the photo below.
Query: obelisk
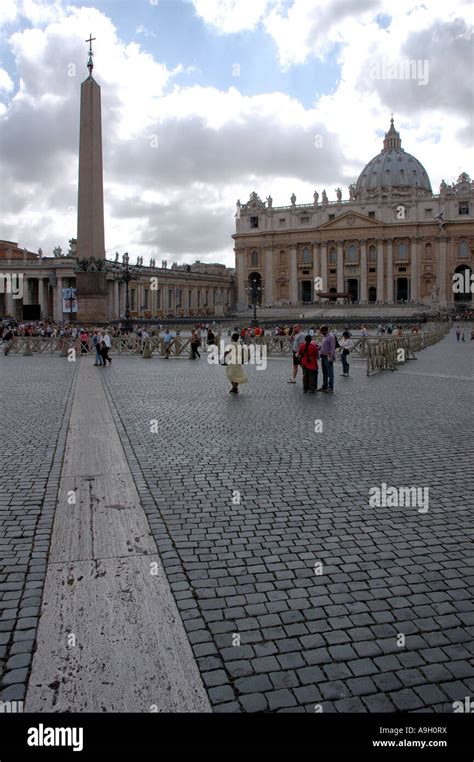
(90, 255)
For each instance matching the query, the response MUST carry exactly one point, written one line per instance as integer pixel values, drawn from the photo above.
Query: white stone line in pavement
(438, 375)
(110, 637)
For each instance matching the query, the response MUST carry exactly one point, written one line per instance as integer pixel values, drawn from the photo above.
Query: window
(304, 220)
(254, 259)
(372, 254)
(402, 251)
(206, 297)
(464, 207)
(254, 222)
(352, 254)
(190, 298)
(170, 298)
(331, 216)
(332, 272)
(306, 257)
(282, 259)
(372, 215)
(133, 299)
(332, 257)
(158, 299)
(282, 222)
(198, 298)
(428, 251)
(428, 212)
(372, 270)
(402, 269)
(463, 249)
(145, 298)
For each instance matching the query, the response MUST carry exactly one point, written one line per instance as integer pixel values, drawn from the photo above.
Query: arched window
(372, 254)
(254, 259)
(463, 249)
(352, 254)
(332, 257)
(402, 251)
(306, 257)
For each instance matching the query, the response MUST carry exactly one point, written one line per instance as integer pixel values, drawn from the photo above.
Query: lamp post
(255, 290)
(125, 273)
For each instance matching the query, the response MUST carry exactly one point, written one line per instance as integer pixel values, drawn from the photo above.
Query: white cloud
(231, 16)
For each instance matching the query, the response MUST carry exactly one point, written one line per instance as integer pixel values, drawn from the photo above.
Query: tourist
(167, 338)
(308, 354)
(458, 334)
(211, 339)
(195, 344)
(84, 339)
(364, 331)
(7, 341)
(96, 345)
(346, 344)
(105, 344)
(234, 370)
(463, 337)
(297, 338)
(328, 355)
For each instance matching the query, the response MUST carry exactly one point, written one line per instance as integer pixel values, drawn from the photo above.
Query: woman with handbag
(233, 361)
(346, 344)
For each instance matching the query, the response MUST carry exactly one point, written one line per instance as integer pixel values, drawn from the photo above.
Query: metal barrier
(388, 353)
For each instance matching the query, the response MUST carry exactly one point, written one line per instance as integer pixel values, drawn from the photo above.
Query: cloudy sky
(204, 101)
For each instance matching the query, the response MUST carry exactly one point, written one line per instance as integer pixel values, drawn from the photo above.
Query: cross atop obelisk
(90, 63)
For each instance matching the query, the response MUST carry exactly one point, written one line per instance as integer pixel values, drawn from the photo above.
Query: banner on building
(69, 300)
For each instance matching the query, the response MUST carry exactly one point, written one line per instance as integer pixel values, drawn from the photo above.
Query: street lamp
(255, 290)
(70, 297)
(125, 273)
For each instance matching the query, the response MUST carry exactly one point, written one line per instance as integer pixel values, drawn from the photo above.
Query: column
(414, 291)
(442, 273)
(316, 272)
(324, 266)
(380, 273)
(363, 272)
(9, 303)
(241, 293)
(41, 298)
(26, 290)
(293, 276)
(58, 301)
(268, 295)
(389, 271)
(115, 302)
(340, 269)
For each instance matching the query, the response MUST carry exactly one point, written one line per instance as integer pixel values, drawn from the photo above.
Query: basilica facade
(392, 242)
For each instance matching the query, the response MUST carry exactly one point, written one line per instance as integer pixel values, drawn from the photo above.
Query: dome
(393, 168)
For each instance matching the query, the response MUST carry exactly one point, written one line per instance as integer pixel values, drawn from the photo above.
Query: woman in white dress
(233, 360)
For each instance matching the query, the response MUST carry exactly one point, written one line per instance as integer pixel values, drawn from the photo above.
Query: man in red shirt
(308, 353)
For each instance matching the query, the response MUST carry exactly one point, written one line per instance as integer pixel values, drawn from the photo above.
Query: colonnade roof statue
(393, 168)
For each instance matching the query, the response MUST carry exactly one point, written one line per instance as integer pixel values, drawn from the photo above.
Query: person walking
(7, 341)
(105, 344)
(211, 339)
(458, 334)
(84, 339)
(328, 355)
(346, 344)
(308, 353)
(96, 345)
(167, 338)
(234, 370)
(195, 344)
(296, 339)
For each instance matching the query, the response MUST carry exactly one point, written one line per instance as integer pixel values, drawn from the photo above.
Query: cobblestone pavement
(35, 399)
(271, 633)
